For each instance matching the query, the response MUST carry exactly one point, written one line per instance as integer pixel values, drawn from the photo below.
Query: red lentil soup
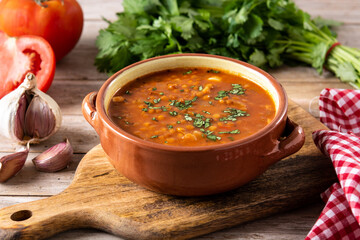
(191, 107)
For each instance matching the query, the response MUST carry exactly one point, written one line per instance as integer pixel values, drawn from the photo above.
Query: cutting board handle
(46, 217)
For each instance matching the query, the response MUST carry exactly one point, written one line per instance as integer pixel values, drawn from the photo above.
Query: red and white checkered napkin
(340, 111)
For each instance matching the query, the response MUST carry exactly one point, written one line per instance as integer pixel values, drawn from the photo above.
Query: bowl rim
(280, 115)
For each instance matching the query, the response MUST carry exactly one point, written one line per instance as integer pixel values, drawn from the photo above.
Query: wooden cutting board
(101, 198)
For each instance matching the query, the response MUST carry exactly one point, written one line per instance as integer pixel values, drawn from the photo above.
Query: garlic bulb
(28, 114)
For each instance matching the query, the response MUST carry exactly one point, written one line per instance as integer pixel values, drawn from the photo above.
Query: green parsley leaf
(157, 100)
(173, 113)
(148, 103)
(188, 118)
(233, 114)
(204, 111)
(221, 95)
(236, 131)
(237, 89)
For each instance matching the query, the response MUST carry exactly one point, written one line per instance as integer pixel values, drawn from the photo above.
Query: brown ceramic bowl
(193, 171)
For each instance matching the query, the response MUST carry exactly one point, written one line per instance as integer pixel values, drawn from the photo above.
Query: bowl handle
(291, 141)
(89, 109)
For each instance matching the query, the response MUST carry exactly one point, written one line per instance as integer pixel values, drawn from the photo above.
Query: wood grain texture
(101, 198)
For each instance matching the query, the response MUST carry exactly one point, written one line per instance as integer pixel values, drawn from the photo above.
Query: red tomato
(60, 22)
(21, 55)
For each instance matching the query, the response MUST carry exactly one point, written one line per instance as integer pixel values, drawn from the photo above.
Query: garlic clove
(55, 158)
(11, 164)
(39, 119)
(20, 117)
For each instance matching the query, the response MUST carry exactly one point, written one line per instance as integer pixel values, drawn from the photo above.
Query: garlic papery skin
(25, 121)
(11, 164)
(55, 158)
(39, 119)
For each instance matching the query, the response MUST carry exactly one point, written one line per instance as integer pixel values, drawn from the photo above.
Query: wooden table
(76, 76)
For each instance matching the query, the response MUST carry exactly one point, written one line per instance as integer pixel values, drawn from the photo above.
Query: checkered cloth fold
(340, 111)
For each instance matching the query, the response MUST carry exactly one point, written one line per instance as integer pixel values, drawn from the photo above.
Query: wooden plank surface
(76, 76)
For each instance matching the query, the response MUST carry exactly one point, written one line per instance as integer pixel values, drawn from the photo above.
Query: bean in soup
(191, 107)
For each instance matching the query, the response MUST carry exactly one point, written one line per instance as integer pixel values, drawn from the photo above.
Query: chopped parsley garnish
(145, 109)
(154, 88)
(173, 113)
(206, 112)
(210, 135)
(170, 126)
(237, 89)
(155, 119)
(154, 136)
(213, 137)
(231, 138)
(221, 95)
(188, 72)
(161, 93)
(188, 118)
(213, 71)
(182, 105)
(233, 114)
(192, 86)
(201, 88)
(236, 131)
(210, 102)
(157, 100)
(163, 108)
(148, 103)
(178, 122)
(127, 92)
(199, 120)
(182, 90)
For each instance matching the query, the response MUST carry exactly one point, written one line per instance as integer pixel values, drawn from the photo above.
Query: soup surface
(191, 107)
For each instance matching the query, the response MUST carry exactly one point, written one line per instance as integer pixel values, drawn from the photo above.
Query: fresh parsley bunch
(266, 33)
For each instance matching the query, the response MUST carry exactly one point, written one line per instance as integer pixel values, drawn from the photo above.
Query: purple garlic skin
(11, 164)
(55, 158)
(39, 119)
(20, 117)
